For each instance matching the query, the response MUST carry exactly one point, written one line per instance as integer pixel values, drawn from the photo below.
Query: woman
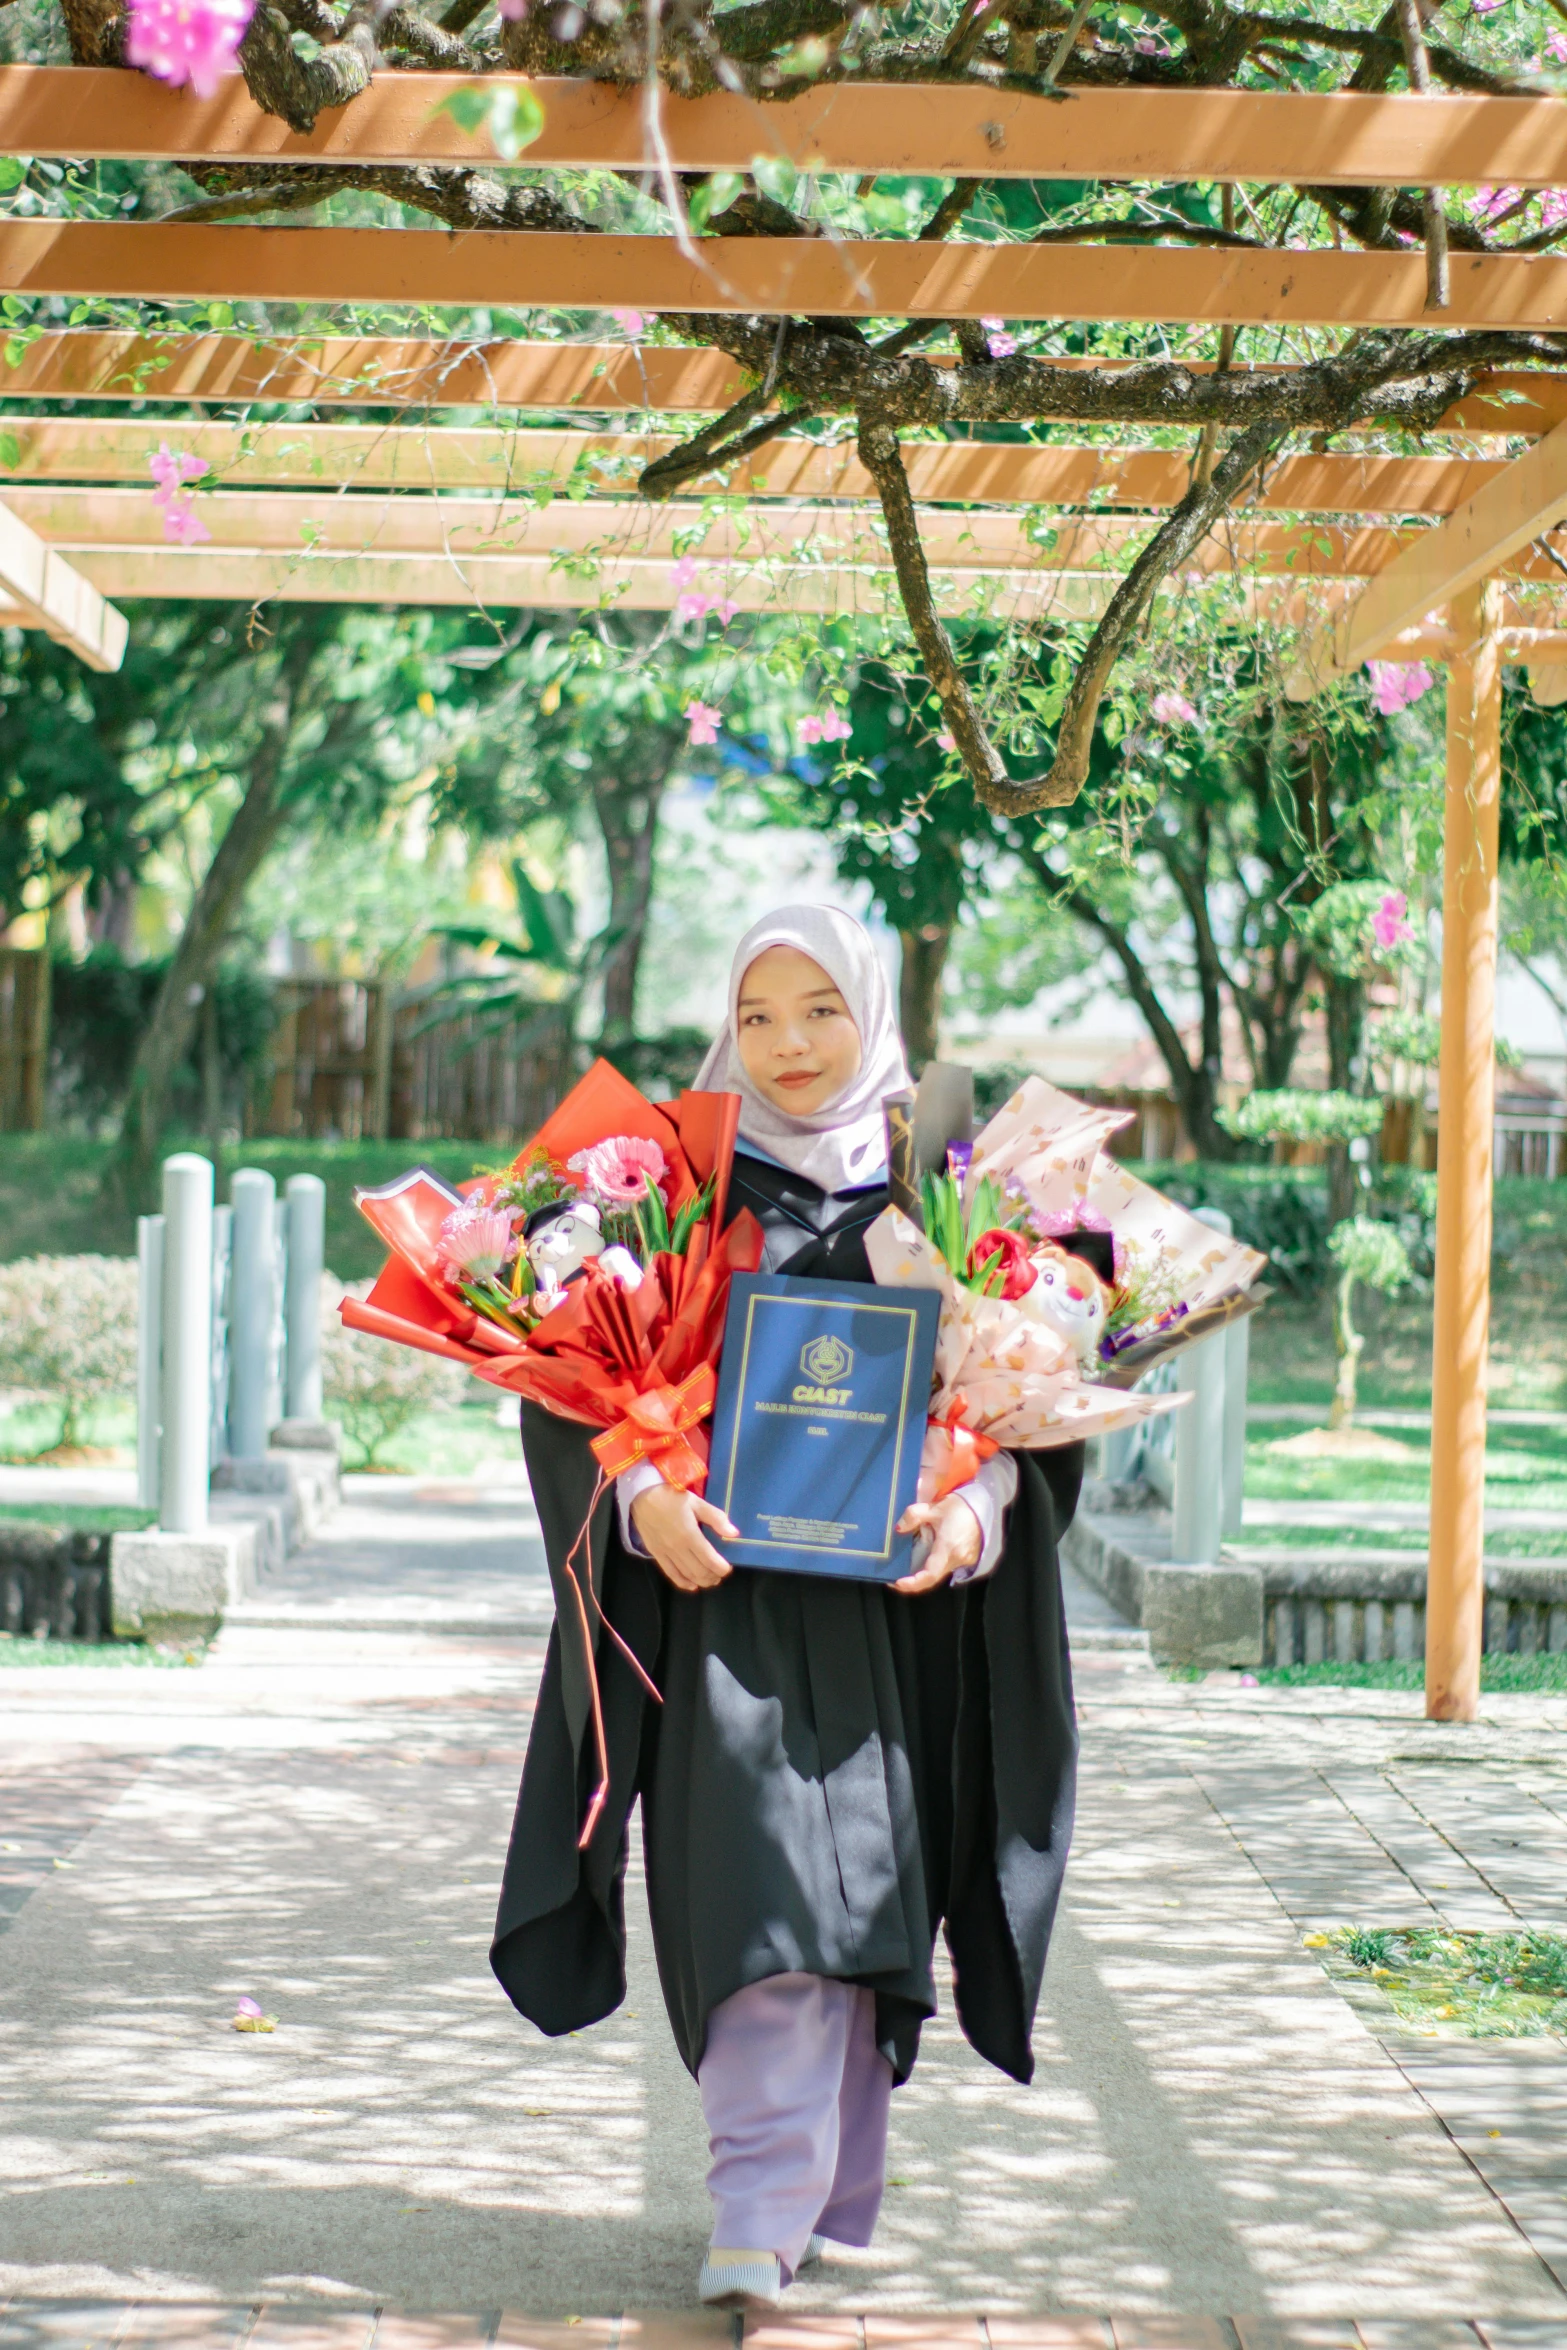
(838, 1770)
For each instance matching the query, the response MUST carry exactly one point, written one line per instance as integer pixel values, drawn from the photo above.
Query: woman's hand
(669, 1526)
(955, 1540)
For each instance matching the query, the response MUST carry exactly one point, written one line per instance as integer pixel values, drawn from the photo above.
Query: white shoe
(815, 2247)
(740, 2280)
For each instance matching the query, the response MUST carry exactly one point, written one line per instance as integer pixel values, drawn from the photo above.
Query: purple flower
(194, 41)
(1002, 344)
(1395, 684)
(246, 2007)
(705, 722)
(1172, 709)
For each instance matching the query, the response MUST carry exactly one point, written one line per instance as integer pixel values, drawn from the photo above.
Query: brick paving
(317, 1818)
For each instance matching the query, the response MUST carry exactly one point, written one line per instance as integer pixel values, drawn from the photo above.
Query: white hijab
(844, 1144)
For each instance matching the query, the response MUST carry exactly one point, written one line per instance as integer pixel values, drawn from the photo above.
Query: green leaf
(516, 119)
(10, 451)
(469, 109)
(715, 195)
(13, 170)
(220, 316)
(774, 177)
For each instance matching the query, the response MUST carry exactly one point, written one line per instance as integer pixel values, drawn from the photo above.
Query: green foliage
(1280, 1210)
(954, 1230)
(1288, 1115)
(1337, 929)
(1367, 1250)
(1484, 1986)
(99, 1008)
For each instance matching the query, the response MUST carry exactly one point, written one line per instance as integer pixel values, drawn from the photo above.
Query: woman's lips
(798, 1077)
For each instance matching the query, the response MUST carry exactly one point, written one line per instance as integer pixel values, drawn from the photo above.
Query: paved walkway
(1218, 2147)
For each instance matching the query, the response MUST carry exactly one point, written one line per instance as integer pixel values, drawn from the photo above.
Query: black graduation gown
(836, 1772)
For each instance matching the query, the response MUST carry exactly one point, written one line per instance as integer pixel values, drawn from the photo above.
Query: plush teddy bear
(1068, 1297)
(564, 1237)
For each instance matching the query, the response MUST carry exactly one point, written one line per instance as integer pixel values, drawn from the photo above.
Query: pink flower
(723, 609)
(630, 322)
(183, 526)
(513, 11)
(246, 2007)
(1553, 201)
(172, 468)
(1556, 48)
(475, 1241)
(1490, 203)
(705, 722)
(1390, 922)
(834, 728)
(192, 41)
(945, 741)
(618, 1172)
(683, 573)
(1002, 345)
(1395, 684)
(1486, 7)
(692, 606)
(1172, 709)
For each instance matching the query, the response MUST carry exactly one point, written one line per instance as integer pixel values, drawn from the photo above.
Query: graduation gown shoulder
(836, 1773)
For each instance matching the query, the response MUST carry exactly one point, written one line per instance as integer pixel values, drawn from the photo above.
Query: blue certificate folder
(822, 1395)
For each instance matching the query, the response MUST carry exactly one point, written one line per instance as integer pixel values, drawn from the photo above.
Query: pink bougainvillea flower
(513, 11)
(945, 741)
(1390, 923)
(1556, 48)
(1486, 7)
(1002, 344)
(619, 1171)
(194, 41)
(1490, 203)
(182, 525)
(171, 469)
(704, 720)
(1395, 684)
(246, 2007)
(723, 609)
(630, 322)
(692, 605)
(1553, 201)
(683, 573)
(833, 728)
(475, 1241)
(1172, 709)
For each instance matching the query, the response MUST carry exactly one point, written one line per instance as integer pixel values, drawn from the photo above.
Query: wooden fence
(24, 1038)
(346, 1062)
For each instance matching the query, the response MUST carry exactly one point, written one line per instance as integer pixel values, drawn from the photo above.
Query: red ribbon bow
(654, 1429)
(970, 1450)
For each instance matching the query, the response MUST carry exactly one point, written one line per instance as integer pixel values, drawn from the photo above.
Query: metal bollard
(252, 1279)
(1237, 1370)
(1200, 1451)
(149, 1356)
(306, 1248)
(187, 1343)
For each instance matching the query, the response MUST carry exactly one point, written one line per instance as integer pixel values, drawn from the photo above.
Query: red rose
(1017, 1267)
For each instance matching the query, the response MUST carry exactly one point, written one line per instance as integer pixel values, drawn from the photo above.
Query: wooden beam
(1508, 513)
(389, 372)
(1455, 1597)
(766, 275)
(306, 524)
(418, 457)
(957, 129)
(507, 582)
(50, 593)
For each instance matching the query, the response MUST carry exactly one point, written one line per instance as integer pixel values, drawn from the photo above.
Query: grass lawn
(1526, 1468)
(1542, 1673)
(79, 1517)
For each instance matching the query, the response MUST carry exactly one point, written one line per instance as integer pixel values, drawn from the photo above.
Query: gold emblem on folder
(826, 1361)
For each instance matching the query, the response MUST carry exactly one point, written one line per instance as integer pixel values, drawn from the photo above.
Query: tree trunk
(1345, 1004)
(628, 818)
(1348, 1342)
(131, 1176)
(925, 954)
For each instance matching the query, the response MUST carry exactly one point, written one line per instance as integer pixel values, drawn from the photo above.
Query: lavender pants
(796, 2092)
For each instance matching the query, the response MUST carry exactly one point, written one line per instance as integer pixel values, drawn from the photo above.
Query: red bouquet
(629, 1343)
(590, 1276)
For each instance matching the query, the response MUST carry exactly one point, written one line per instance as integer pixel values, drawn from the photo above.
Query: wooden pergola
(1441, 555)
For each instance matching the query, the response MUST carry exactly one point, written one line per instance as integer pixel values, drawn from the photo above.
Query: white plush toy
(1068, 1297)
(564, 1237)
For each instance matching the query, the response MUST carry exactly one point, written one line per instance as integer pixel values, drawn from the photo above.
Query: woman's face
(798, 1041)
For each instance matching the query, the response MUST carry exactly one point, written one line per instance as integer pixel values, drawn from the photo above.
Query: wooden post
(1455, 1591)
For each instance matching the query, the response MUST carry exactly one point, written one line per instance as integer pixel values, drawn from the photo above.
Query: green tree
(316, 720)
